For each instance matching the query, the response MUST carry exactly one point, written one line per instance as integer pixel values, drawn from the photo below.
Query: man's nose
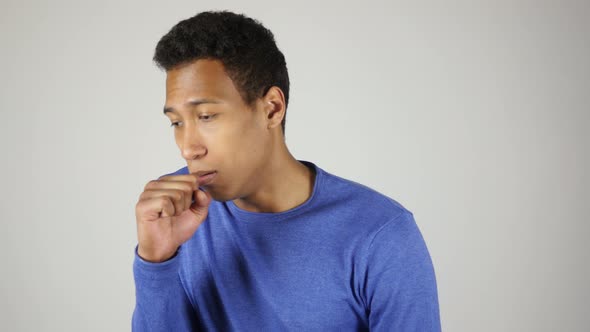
(192, 145)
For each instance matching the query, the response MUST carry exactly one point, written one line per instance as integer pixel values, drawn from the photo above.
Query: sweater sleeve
(161, 303)
(400, 289)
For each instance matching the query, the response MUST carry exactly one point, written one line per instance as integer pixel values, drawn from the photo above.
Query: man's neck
(288, 185)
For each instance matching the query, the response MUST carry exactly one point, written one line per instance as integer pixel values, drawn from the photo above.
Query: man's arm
(168, 212)
(161, 301)
(401, 291)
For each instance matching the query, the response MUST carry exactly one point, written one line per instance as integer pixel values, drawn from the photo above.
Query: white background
(472, 114)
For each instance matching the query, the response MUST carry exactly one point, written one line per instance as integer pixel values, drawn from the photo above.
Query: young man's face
(215, 130)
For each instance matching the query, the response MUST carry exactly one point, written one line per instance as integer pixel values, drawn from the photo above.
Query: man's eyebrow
(194, 102)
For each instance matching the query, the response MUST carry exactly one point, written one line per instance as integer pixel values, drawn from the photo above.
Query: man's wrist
(156, 258)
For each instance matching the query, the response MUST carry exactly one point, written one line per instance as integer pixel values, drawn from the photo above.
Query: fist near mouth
(168, 212)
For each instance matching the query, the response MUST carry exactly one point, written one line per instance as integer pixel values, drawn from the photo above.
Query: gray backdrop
(472, 114)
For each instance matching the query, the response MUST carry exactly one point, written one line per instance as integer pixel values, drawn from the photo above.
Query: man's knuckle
(150, 184)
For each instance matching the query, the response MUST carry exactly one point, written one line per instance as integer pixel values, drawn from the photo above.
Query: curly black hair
(246, 48)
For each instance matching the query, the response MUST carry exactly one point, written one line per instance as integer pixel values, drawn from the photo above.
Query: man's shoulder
(367, 200)
(180, 171)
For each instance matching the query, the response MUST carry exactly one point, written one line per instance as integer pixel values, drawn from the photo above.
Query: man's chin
(218, 196)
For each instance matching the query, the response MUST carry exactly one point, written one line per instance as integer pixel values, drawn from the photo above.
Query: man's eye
(174, 124)
(206, 117)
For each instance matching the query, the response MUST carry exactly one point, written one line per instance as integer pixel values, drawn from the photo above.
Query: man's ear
(274, 106)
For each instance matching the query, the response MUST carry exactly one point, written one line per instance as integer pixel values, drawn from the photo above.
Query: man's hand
(167, 216)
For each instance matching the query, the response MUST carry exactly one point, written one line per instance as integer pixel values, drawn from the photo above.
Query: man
(248, 238)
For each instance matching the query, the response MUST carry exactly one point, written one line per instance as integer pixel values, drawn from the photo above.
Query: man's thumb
(201, 202)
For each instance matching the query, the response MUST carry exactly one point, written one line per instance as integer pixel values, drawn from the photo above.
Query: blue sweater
(347, 259)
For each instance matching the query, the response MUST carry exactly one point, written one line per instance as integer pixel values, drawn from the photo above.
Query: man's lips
(200, 173)
(205, 177)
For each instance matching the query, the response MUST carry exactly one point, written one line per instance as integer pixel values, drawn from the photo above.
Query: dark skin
(215, 130)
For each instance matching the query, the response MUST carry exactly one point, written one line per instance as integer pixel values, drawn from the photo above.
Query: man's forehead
(202, 79)
(192, 103)
(197, 71)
